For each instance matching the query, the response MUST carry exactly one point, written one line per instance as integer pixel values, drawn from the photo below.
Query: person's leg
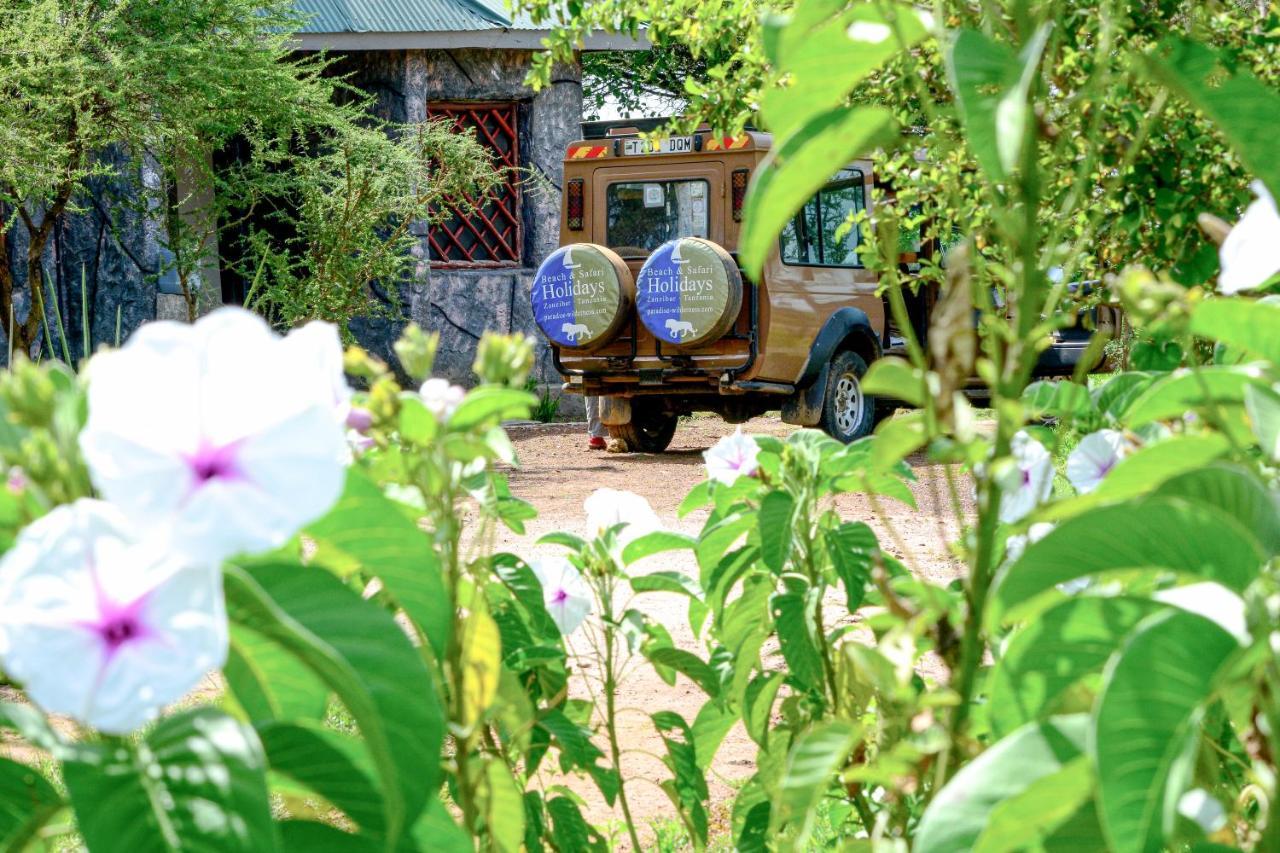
(596, 431)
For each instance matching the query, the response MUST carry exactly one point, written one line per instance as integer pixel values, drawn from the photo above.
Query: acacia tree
(170, 83)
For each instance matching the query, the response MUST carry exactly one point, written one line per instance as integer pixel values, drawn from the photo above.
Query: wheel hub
(849, 403)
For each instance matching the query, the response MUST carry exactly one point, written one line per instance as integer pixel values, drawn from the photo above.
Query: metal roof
(407, 24)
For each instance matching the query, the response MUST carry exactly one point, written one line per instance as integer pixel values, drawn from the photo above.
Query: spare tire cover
(689, 292)
(582, 295)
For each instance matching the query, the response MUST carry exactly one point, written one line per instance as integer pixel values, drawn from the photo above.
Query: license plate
(667, 145)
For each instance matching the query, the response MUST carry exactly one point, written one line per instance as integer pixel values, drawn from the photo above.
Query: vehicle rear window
(642, 215)
(818, 236)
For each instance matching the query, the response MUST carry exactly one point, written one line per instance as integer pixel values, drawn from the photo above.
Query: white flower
(565, 593)
(101, 628)
(732, 457)
(442, 397)
(1094, 457)
(1015, 545)
(1250, 255)
(219, 434)
(1028, 481)
(606, 508)
(315, 351)
(1205, 810)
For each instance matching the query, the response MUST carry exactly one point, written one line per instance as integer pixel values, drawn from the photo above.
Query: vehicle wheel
(847, 413)
(650, 431)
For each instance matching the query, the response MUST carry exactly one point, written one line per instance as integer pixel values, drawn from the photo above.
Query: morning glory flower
(1250, 256)
(606, 508)
(1094, 457)
(315, 351)
(731, 457)
(564, 592)
(101, 628)
(221, 435)
(442, 397)
(1028, 481)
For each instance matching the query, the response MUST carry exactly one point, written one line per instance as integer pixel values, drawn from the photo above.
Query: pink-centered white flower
(315, 351)
(1027, 482)
(442, 397)
(607, 508)
(564, 592)
(731, 457)
(1094, 457)
(102, 628)
(220, 435)
(1250, 256)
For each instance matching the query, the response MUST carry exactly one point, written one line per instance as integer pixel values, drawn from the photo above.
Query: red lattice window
(490, 235)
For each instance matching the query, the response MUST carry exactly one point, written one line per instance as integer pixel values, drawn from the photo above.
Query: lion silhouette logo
(680, 329)
(575, 332)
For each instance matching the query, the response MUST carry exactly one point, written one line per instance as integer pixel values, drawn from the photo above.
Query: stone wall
(462, 304)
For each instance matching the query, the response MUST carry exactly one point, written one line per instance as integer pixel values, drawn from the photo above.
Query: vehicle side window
(819, 234)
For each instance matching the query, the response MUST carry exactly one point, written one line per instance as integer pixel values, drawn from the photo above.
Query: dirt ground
(557, 473)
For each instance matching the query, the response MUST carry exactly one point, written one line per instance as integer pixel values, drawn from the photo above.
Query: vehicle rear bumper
(1064, 357)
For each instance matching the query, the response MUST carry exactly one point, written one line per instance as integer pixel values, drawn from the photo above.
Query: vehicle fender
(847, 328)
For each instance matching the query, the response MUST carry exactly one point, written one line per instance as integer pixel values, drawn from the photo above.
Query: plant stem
(610, 707)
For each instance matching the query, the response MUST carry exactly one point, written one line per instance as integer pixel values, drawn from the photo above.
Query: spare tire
(689, 292)
(582, 296)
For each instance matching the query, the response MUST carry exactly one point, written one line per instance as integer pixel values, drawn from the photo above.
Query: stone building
(460, 60)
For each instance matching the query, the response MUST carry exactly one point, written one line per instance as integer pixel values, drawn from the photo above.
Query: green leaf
(360, 652)
(1067, 400)
(197, 781)
(775, 529)
(570, 830)
(992, 85)
(709, 729)
(481, 664)
(799, 649)
(490, 404)
(815, 758)
(1236, 491)
(27, 801)
(1185, 390)
(757, 705)
(369, 528)
(568, 540)
(959, 813)
(1263, 406)
(896, 439)
(1037, 817)
(677, 582)
(313, 835)
(797, 167)
(716, 539)
(505, 807)
(825, 56)
(687, 664)
(1147, 717)
(853, 548)
(574, 741)
(1118, 393)
(698, 497)
(330, 763)
(1249, 324)
(1054, 651)
(688, 787)
(657, 542)
(1166, 533)
(269, 682)
(436, 831)
(1246, 110)
(895, 378)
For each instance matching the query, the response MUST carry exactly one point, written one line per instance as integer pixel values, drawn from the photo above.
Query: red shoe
(596, 443)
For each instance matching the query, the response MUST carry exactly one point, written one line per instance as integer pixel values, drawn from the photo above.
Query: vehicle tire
(650, 430)
(847, 413)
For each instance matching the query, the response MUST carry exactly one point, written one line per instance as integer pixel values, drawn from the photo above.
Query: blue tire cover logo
(682, 292)
(576, 296)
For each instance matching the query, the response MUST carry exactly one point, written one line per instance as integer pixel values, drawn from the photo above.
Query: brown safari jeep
(645, 307)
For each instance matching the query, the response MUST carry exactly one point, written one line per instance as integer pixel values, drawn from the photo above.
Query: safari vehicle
(645, 306)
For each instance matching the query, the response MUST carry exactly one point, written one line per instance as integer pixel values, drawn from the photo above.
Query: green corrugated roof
(404, 16)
